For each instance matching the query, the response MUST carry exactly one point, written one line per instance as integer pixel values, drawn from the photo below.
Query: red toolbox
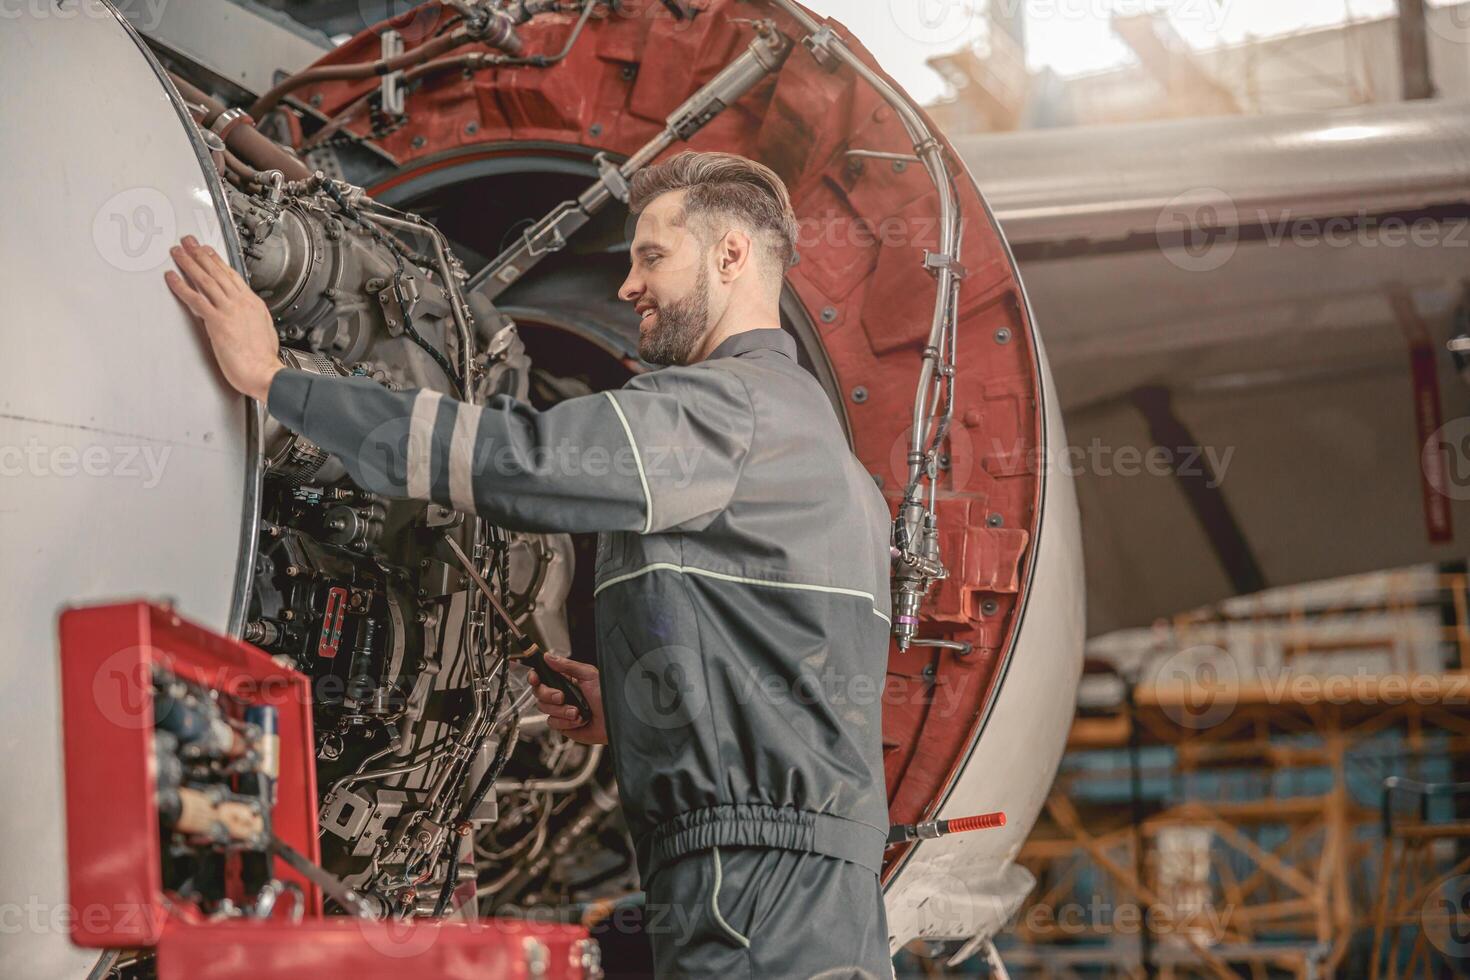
(109, 656)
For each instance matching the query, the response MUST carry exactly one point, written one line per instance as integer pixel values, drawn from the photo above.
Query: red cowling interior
(860, 276)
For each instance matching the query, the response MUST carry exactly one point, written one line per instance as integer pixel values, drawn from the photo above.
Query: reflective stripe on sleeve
(637, 458)
(462, 457)
(421, 442)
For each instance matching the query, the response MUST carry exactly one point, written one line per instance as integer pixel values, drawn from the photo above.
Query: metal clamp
(226, 121)
(934, 261)
(821, 43)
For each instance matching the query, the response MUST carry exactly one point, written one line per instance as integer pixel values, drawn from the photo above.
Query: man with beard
(742, 601)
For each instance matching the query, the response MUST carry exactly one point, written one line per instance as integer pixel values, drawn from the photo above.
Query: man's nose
(631, 289)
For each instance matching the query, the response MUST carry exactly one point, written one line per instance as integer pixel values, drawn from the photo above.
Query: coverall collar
(768, 338)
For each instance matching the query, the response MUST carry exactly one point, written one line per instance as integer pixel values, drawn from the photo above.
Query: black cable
(502, 751)
(399, 255)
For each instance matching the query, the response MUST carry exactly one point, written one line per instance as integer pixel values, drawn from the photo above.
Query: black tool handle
(569, 688)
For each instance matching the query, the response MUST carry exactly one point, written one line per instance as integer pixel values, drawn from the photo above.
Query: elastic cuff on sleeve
(286, 399)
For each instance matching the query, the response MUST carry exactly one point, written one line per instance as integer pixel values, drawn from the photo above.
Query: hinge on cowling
(934, 261)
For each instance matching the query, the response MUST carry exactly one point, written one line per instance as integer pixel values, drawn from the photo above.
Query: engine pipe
(471, 62)
(916, 537)
(237, 130)
(496, 30)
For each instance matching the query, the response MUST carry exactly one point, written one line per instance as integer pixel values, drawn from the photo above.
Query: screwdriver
(530, 652)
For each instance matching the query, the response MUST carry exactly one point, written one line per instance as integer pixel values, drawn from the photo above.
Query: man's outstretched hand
(237, 321)
(562, 716)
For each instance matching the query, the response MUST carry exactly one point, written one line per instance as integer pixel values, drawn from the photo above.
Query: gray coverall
(742, 611)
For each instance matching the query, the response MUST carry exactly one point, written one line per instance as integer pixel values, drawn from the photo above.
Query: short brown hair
(726, 184)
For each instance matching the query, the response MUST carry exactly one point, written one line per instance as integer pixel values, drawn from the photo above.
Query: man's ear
(732, 254)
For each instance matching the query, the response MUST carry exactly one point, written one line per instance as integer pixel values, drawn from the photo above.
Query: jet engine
(437, 203)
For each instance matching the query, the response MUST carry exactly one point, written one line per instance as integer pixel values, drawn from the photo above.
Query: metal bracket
(820, 43)
(398, 299)
(617, 184)
(392, 85)
(934, 261)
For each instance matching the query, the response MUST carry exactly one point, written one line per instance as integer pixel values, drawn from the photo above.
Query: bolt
(994, 520)
(292, 571)
(928, 672)
(471, 128)
(989, 607)
(288, 615)
(829, 313)
(1003, 335)
(419, 142)
(316, 101)
(595, 129)
(899, 166)
(859, 394)
(629, 72)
